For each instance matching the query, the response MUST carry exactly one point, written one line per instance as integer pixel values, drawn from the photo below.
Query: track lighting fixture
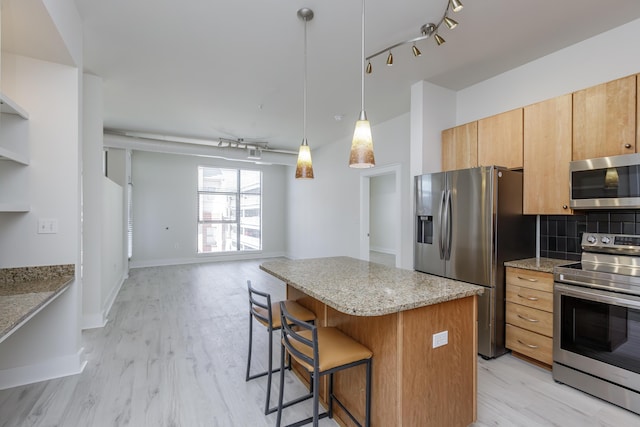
(304, 167)
(426, 31)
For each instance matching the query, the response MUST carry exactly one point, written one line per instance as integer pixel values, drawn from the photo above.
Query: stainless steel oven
(596, 338)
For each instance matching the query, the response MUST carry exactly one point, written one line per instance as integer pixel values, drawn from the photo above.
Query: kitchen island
(395, 313)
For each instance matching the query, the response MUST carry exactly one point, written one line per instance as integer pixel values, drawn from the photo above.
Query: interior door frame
(365, 199)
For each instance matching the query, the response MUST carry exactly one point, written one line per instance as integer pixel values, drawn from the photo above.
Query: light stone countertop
(364, 288)
(544, 265)
(24, 291)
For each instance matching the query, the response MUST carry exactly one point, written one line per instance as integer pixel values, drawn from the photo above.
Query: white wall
(165, 209)
(324, 213)
(602, 58)
(92, 202)
(113, 270)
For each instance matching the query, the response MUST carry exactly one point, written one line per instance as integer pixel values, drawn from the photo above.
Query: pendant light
(361, 155)
(304, 168)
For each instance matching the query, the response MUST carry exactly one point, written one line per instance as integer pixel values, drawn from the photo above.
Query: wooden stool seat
(334, 349)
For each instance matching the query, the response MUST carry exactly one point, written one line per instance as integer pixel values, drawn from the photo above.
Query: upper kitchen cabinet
(604, 119)
(500, 140)
(460, 147)
(14, 156)
(547, 153)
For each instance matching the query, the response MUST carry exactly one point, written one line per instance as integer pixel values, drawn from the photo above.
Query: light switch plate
(47, 226)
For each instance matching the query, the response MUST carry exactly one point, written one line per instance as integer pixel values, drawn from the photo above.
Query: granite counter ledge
(543, 265)
(363, 288)
(26, 290)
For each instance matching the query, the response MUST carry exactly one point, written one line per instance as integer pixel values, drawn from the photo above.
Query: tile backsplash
(560, 235)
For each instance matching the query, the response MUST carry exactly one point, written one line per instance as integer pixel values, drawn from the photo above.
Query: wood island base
(413, 384)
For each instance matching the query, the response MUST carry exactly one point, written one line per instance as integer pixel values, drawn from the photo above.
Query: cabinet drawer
(530, 319)
(530, 297)
(530, 344)
(530, 279)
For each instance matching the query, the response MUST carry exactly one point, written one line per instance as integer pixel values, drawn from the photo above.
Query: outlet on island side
(440, 339)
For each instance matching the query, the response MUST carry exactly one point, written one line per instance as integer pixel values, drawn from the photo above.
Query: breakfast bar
(27, 290)
(395, 313)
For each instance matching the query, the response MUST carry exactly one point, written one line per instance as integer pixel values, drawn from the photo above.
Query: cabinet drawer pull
(627, 145)
(528, 345)
(529, 298)
(528, 319)
(527, 279)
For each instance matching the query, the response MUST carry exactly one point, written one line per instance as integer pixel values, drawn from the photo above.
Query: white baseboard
(382, 250)
(100, 320)
(92, 321)
(51, 369)
(205, 258)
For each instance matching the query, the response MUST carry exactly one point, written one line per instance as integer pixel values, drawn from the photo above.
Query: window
(229, 210)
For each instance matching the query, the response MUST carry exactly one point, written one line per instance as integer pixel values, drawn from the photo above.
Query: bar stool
(268, 314)
(321, 351)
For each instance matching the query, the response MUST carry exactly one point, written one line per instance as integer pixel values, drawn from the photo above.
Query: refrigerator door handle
(442, 228)
(449, 227)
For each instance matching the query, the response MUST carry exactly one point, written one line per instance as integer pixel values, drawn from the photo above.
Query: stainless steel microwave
(605, 182)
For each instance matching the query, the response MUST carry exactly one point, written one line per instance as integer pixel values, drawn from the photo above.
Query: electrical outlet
(440, 339)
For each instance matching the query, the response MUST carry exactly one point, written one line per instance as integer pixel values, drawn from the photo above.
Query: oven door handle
(607, 297)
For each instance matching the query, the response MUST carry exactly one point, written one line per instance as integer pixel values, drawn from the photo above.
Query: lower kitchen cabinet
(529, 314)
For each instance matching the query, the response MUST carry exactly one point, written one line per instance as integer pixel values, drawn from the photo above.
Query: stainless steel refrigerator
(468, 223)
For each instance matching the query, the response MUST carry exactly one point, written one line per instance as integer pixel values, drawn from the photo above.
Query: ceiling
(234, 69)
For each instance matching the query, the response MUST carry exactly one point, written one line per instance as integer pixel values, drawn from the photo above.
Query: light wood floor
(174, 354)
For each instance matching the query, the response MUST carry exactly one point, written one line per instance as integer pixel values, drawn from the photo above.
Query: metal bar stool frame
(262, 300)
(291, 336)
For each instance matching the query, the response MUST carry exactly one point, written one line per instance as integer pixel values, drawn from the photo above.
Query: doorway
(380, 236)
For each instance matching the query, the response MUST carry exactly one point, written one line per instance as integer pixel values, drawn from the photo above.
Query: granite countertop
(365, 288)
(544, 265)
(24, 291)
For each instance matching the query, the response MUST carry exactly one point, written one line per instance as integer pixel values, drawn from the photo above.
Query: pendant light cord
(362, 65)
(304, 92)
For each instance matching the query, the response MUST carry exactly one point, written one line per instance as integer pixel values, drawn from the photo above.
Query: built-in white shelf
(14, 207)
(13, 156)
(9, 106)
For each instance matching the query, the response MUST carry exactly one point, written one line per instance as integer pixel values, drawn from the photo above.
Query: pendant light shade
(304, 167)
(361, 155)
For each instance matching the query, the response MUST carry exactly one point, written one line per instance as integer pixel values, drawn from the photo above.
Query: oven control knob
(605, 240)
(591, 239)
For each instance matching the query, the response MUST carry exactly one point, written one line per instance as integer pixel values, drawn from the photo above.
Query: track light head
(390, 59)
(439, 39)
(456, 5)
(416, 51)
(451, 23)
